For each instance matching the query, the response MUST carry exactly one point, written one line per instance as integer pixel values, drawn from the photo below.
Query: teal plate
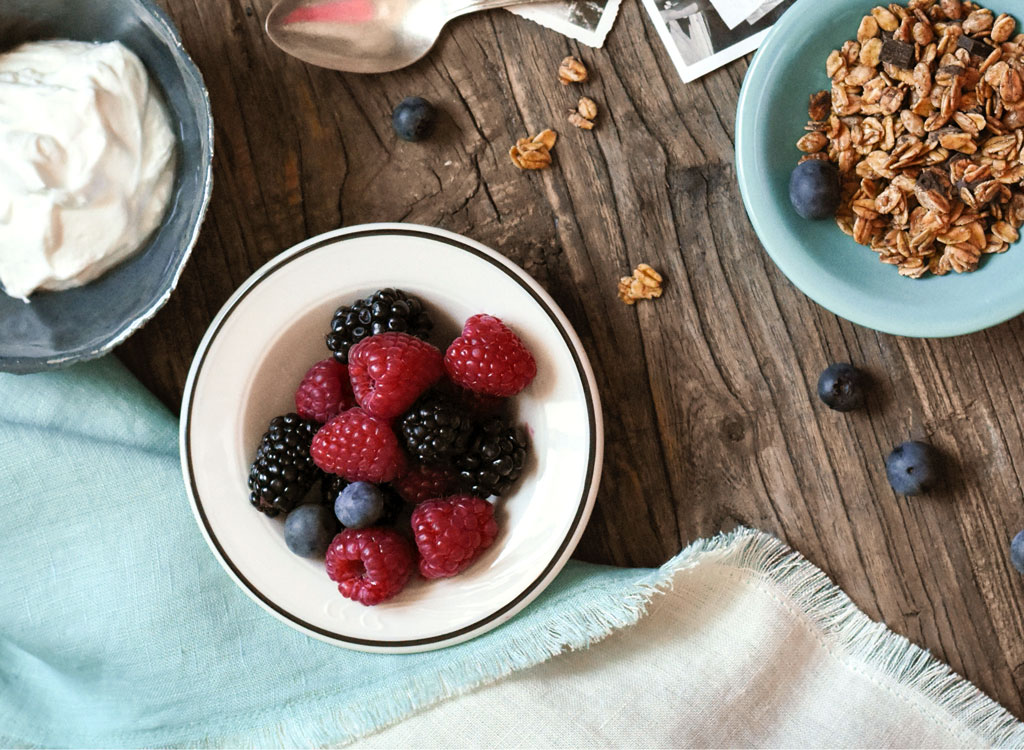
(825, 264)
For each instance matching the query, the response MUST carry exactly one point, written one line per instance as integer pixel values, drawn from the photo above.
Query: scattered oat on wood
(584, 114)
(587, 107)
(571, 70)
(535, 152)
(575, 118)
(645, 283)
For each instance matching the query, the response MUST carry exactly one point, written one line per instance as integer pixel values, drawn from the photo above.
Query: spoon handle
(462, 7)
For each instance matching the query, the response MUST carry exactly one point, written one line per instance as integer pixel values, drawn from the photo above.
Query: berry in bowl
(391, 438)
(891, 133)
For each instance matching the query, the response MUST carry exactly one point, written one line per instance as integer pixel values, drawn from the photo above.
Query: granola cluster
(584, 114)
(645, 283)
(925, 121)
(535, 152)
(572, 70)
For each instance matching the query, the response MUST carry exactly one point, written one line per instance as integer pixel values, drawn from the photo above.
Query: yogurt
(87, 161)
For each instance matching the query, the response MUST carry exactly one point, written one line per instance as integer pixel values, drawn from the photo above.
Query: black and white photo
(587, 21)
(702, 35)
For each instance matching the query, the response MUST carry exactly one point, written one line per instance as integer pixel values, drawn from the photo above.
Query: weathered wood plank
(711, 417)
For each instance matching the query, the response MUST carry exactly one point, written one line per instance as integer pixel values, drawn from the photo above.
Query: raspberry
(451, 534)
(369, 565)
(324, 391)
(358, 447)
(389, 371)
(489, 358)
(426, 483)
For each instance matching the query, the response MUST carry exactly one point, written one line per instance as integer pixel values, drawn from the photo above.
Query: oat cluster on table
(585, 113)
(535, 152)
(645, 283)
(925, 121)
(572, 70)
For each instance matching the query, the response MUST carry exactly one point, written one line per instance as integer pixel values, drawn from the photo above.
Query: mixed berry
(843, 387)
(1017, 551)
(814, 189)
(414, 118)
(283, 471)
(409, 444)
(913, 467)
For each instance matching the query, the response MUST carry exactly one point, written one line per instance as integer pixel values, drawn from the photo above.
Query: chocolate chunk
(934, 180)
(955, 156)
(899, 54)
(975, 46)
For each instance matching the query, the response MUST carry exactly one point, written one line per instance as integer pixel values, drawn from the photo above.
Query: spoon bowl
(365, 36)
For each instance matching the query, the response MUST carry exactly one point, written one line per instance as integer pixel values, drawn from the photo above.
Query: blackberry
(495, 459)
(283, 471)
(330, 487)
(393, 506)
(436, 430)
(383, 311)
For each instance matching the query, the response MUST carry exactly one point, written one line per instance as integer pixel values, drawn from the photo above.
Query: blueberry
(413, 118)
(913, 468)
(843, 387)
(309, 529)
(359, 505)
(814, 189)
(1017, 551)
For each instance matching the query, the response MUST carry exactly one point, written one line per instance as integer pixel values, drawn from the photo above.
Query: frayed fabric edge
(826, 607)
(604, 614)
(931, 684)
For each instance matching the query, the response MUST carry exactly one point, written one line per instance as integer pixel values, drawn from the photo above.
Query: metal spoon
(366, 36)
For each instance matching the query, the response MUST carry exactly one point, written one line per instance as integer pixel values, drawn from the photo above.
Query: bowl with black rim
(273, 329)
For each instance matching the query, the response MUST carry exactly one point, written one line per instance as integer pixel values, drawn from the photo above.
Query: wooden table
(711, 417)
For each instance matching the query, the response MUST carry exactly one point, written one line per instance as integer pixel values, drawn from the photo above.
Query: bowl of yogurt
(106, 148)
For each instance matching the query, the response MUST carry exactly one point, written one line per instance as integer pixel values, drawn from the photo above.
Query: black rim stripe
(591, 416)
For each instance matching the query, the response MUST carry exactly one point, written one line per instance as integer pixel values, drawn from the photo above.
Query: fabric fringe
(607, 612)
(924, 679)
(919, 676)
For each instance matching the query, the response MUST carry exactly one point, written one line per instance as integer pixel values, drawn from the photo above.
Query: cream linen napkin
(745, 645)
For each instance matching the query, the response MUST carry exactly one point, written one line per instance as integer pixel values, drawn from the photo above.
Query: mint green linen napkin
(119, 628)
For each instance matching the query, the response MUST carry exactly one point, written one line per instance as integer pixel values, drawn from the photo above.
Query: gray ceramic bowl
(59, 328)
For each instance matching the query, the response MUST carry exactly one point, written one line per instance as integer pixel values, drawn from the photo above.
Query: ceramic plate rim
(825, 292)
(589, 386)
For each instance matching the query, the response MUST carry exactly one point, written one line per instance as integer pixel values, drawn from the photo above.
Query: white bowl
(258, 348)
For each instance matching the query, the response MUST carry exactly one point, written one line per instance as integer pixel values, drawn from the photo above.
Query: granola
(535, 152)
(584, 114)
(645, 283)
(925, 121)
(587, 107)
(571, 70)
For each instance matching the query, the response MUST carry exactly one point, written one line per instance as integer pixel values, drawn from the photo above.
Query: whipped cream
(86, 162)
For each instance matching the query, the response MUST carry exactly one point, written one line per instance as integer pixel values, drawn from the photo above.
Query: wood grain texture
(711, 417)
